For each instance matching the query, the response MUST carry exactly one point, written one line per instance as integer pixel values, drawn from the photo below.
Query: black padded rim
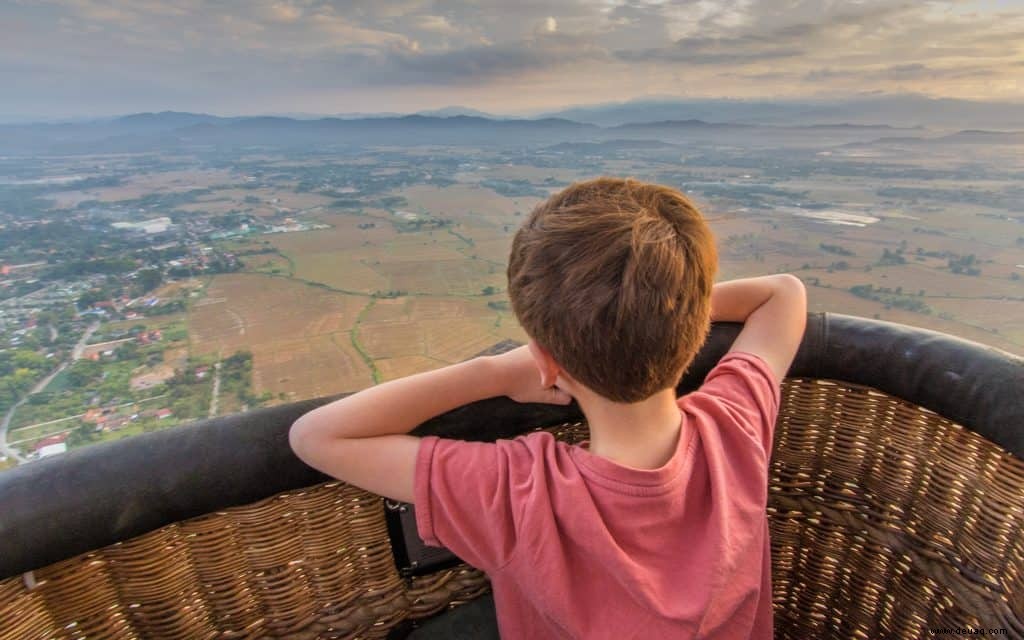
(88, 498)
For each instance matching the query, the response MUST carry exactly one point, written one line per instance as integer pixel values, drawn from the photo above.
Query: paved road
(9, 451)
(76, 353)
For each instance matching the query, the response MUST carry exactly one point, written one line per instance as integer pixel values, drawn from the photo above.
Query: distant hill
(975, 136)
(163, 121)
(879, 111)
(967, 136)
(171, 130)
(161, 131)
(448, 112)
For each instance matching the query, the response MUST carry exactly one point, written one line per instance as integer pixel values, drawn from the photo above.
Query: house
(51, 445)
(163, 413)
(147, 337)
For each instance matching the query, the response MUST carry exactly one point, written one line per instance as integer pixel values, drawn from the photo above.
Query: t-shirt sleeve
(745, 386)
(463, 499)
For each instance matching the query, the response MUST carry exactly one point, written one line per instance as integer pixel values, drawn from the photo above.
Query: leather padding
(88, 498)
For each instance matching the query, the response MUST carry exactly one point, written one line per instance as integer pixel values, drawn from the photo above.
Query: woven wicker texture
(886, 520)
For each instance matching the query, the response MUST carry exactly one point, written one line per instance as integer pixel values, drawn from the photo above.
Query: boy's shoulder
(746, 365)
(737, 375)
(742, 389)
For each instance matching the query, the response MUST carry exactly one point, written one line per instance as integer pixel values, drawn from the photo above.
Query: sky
(82, 58)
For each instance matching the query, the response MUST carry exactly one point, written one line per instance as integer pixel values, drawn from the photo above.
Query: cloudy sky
(101, 57)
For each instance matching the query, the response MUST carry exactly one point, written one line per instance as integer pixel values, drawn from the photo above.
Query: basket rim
(92, 497)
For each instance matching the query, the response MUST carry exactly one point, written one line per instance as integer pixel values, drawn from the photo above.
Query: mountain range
(865, 120)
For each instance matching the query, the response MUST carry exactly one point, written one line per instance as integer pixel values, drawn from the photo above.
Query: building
(51, 445)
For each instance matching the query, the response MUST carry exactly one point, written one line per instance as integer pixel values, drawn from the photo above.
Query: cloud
(99, 54)
(284, 12)
(714, 51)
(478, 64)
(436, 24)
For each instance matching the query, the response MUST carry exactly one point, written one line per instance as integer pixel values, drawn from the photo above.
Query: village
(93, 342)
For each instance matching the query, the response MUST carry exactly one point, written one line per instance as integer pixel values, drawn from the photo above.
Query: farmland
(281, 275)
(298, 335)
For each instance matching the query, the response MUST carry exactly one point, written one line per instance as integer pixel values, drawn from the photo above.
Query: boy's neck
(642, 435)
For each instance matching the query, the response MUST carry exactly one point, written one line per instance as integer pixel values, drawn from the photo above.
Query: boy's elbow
(301, 437)
(791, 283)
(793, 288)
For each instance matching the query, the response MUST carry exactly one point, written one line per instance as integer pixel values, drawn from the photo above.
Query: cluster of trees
(110, 265)
(835, 248)
(514, 188)
(188, 397)
(218, 264)
(164, 308)
(892, 257)
(420, 222)
(1006, 199)
(19, 370)
(83, 373)
(231, 220)
(236, 377)
(966, 265)
(891, 297)
(146, 280)
(92, 296)
(390, 293)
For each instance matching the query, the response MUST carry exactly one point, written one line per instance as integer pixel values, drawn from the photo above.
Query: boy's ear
(546, 365)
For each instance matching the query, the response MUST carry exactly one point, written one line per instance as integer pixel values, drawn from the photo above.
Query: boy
(655, 527)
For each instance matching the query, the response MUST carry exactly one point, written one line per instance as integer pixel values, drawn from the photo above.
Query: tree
(83, 372)
(149, 279)
(128, 351)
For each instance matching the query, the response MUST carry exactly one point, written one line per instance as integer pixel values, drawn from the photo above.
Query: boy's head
(613, 278)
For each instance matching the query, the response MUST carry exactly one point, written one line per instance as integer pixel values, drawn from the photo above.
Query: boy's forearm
(398, 406)
(773, 310)
(735, 300)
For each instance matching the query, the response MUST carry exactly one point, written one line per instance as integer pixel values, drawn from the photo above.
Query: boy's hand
(519, 378)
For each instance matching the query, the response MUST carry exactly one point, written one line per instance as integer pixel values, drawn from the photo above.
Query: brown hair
(613, 278)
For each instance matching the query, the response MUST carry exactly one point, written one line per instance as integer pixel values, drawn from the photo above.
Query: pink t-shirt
(578, 546)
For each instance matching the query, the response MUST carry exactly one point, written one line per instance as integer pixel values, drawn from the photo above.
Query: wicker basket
(887, 520)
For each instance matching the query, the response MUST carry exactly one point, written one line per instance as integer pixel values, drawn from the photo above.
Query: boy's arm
(774, 312)
(360, 439)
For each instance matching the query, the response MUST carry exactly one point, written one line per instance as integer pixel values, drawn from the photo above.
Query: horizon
(83, 60)
(459, 110)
